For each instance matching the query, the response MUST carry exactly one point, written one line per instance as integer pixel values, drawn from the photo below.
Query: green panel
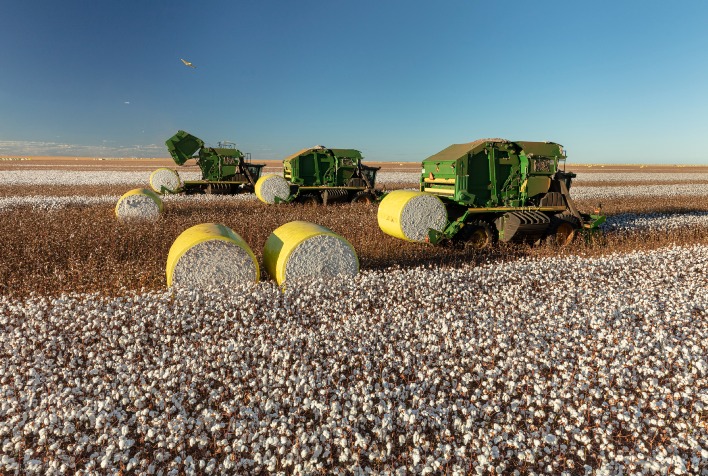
(228, 152)
(327, 170)
(182, 146)
(306, 172)
(344, 174)
(209, 164)
(545, 149)
(350, 153)
(478, 181)
(537, 184)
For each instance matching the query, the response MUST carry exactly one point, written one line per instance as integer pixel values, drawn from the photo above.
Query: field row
(600, 366)
(621, 221)
(84, 247)
(133, 177)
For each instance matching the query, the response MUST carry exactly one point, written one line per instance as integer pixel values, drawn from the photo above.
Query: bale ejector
(225, 169)
(496, 189)
(323, 175)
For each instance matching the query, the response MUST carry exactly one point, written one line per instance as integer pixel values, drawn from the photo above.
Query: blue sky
(613, 81)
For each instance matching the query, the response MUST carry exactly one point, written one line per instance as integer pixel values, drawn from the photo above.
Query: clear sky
(621, 81)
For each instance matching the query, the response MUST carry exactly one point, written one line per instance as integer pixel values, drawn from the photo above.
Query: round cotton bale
(272, 186)
(165, 180)
(139, 204)
(408, 215)
(301, 249)
(210, 255)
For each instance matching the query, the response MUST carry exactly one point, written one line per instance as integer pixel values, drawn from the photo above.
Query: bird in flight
(187, 63)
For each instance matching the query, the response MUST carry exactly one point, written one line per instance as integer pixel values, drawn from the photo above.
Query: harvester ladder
(569, 201)
(247, 173)
(364, 176)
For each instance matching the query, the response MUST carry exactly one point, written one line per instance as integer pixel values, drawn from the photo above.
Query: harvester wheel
(477, 234)
(562, 230)
(363, 197)
(310, 200)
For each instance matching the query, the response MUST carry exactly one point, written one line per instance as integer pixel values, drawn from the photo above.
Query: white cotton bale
(209, 255)
(139, 204)
(409, 215)
(165, 180)
(300, 249)
(272, 186)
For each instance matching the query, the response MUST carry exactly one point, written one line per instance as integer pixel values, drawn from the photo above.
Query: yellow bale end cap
(139, 204)
(208, 255)
(409, 215)
(304, 250)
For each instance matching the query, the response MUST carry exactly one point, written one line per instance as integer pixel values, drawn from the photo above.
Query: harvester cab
(225, 169)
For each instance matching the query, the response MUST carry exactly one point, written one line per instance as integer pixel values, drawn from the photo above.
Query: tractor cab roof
(348, 153)
(458, 151)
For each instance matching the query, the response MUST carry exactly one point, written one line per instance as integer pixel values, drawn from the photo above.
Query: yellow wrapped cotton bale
(301, 249)
(139, 204)
(272, 186)
(408, 214)
(165, 180)
(210, 255)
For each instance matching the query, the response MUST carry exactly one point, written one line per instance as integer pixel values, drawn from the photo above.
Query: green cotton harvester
(496, 189)
(225, 169)
(322, 175)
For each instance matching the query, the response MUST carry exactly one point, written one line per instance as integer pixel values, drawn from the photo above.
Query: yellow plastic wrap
(281, 244)
(199, 234)
(139, 191)
(392, 209)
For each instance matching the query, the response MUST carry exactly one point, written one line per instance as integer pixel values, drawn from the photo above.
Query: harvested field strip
(54, 203)
(687, 189)
(73, 178)
(41, 202)
(63, 196)
(636, 183)
(429, 370)
(85, 249)
(653, 177)
(655, 221)
(50, 177)
(51, 191)
(673, 204)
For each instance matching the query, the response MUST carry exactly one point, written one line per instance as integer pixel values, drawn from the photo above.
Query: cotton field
(640, 177)
(656, 190)
(564, 366)
(430, 360)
